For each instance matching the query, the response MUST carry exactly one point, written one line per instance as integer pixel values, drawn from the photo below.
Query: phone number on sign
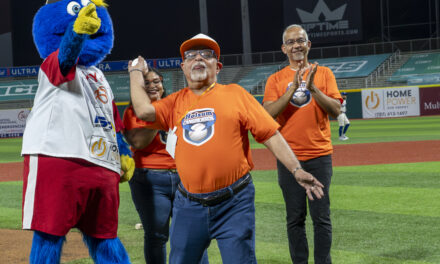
(391, 114)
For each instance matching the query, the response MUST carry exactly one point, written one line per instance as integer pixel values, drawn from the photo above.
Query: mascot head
(55, 18)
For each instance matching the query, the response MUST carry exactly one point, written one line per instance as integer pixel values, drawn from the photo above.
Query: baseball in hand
(135, 62)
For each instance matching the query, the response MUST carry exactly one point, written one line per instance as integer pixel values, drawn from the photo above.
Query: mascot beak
(100, 3)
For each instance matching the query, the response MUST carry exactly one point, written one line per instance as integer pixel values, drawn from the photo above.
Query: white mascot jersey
(72, 116)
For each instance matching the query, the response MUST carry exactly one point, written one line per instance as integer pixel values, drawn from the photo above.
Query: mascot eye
(73, 8)
(85, 2)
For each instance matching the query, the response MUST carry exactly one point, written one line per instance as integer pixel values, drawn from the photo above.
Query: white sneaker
(344, 137)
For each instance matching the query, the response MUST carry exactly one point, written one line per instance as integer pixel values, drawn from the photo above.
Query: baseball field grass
(382, 214)
(385, 130)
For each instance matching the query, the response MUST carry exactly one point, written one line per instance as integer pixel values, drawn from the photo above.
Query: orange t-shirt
(153, 156)
(306, 127)
(212, 150)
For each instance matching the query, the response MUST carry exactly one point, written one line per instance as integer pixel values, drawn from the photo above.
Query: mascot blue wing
(127, 162)
(70, 48)
(123, 146)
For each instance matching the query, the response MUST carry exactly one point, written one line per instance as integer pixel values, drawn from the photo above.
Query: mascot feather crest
(74, 128)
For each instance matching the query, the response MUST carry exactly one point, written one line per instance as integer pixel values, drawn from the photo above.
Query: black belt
(213, 200)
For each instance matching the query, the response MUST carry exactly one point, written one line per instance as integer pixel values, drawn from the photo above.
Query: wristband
(135, 70)
(295, 170)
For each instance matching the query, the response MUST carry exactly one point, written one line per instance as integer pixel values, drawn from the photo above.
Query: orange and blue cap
(200, 40)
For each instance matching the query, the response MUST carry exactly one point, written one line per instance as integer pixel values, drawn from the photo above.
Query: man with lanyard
(301, 97)
(211, 123)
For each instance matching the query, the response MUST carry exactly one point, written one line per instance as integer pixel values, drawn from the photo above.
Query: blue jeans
(231, 223)
(296, 208)
(153, 194)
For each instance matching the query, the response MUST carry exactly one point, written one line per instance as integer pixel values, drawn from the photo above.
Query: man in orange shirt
(211, 122)
(301, 97)
(155, 178)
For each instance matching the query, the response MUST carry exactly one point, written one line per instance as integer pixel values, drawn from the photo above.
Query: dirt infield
(367, 154)
(16, 250)
(16, 244)
(12, 171)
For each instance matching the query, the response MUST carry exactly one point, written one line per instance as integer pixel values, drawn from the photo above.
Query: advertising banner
(326, 20)
(106, 66)
(13, 122)
(19, 71)
(430, 101)
(18, 92)
(390, 102)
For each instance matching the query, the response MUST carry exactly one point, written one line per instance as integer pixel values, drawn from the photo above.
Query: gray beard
(199, 76)
(298, 56)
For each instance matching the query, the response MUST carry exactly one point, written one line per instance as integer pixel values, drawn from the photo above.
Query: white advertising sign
(390, 102)
(13, 122)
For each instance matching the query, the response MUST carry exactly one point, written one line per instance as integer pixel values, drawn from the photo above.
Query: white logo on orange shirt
(198, 126)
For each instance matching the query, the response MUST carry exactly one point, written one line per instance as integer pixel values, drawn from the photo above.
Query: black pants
(296, 207)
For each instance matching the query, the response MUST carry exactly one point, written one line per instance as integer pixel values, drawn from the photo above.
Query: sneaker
(344, 137)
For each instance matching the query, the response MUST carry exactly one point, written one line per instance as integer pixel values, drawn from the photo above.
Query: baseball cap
(200, 40)
(343, 93)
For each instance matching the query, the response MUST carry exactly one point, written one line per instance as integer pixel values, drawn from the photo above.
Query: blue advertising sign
(106, 66)
(170, 63)
(167, 63)
(19, 71)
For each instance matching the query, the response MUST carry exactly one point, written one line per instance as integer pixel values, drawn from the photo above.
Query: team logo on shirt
(104, 150)
(198, 126)
(302, 96)
(101, 94)
(101, 121)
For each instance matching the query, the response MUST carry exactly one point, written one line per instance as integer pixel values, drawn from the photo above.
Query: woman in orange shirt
(155, 179)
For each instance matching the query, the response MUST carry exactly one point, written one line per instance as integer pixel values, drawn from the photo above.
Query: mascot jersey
(72, 116)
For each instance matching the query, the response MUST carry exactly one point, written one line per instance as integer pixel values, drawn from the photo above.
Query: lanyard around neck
(197, 101)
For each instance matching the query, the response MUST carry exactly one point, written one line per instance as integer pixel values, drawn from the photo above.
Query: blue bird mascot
(74, 152)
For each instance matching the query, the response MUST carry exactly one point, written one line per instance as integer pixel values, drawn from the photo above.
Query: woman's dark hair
(156, 71)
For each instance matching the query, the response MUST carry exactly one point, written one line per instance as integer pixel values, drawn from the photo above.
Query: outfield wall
(389, 102)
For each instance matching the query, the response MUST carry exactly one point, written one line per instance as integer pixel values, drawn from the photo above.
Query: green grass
(384, 130)
(382, 214)
(10, 149)
(360, 131)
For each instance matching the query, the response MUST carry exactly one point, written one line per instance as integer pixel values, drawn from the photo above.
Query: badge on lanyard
(171, 141)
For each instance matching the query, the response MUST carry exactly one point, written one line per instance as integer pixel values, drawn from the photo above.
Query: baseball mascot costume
(73, 150)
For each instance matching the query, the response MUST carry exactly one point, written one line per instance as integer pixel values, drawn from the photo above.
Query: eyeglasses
(206, 54)
(291, 42)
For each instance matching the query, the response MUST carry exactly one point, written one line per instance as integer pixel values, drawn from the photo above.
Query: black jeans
(296, 207)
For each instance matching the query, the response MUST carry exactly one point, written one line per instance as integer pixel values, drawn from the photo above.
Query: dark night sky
(156, 29)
